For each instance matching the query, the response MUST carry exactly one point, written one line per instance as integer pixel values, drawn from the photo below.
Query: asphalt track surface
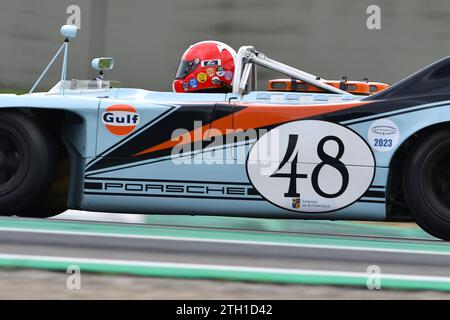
(216, 252)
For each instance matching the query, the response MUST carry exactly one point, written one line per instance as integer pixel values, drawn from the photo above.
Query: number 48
(326, 160)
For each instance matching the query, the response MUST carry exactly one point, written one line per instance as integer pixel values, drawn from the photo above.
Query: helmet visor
(184, 69)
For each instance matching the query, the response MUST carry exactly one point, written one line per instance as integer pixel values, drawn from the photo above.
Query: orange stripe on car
(254, 116)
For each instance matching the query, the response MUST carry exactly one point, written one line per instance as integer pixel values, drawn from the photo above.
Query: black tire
(426, 184)
(27, 162)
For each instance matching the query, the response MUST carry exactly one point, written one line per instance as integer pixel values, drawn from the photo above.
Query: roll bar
(246, 60)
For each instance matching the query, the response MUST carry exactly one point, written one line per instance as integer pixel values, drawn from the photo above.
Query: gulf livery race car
(276, 154)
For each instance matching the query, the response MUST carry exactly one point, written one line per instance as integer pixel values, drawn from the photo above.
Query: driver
(206, 66)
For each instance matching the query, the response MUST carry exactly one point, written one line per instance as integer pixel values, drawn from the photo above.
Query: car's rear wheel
(426, 184)
(27, 162)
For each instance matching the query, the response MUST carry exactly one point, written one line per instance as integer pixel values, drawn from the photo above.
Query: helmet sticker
(211, 63)
(193, 83)
(211, 72)
(201, 77)
(220, 71)
(229, 75)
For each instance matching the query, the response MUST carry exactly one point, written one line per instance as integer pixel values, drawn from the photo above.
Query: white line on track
(200, 267)
(229, 241)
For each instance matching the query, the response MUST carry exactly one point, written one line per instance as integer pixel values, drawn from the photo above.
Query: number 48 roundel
(311, 166)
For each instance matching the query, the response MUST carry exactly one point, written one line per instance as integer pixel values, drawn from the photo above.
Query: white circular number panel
(311, 166)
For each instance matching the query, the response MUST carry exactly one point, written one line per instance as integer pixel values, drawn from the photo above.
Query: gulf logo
(120, 119)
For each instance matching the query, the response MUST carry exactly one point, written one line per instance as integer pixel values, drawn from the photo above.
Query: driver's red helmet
(207, 66)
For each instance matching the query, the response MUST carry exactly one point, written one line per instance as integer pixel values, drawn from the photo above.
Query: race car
(91, 145)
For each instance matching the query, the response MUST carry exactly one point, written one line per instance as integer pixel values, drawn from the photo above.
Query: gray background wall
(147, 38)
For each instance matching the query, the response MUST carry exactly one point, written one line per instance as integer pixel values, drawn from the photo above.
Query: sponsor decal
(193, 83)
(216, 80)
(311, 166)
(185, 86)
(211, 72)
(120, 119)
(229, 75)
(201, 77)
(220, 71)
(296, 204)
(211, 63)
(166, 189)
(383, 135)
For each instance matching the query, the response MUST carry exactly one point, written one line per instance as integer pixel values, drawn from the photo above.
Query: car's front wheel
(426, 184)
(27, 162)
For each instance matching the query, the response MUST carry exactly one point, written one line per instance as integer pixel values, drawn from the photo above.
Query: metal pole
(46, 69)
(242, 53)
(295, 73)
(64, 67)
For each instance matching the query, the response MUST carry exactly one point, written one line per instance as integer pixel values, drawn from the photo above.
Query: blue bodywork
(172, 188)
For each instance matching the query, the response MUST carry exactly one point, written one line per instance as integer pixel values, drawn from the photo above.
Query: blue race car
(276, 154)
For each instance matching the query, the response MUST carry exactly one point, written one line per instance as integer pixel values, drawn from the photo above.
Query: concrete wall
(147, 37)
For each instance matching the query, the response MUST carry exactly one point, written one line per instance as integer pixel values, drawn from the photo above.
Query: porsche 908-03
(304, 148)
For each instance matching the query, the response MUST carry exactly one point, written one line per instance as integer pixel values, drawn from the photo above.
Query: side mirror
(101, 64)
(68, 31)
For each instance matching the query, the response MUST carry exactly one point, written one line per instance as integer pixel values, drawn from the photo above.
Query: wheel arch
(397, 208)
(60, 194)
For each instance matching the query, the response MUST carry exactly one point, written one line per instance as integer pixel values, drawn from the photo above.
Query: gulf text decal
(120, 119)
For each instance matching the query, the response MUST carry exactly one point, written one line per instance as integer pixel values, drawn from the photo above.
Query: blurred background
(147, 38)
